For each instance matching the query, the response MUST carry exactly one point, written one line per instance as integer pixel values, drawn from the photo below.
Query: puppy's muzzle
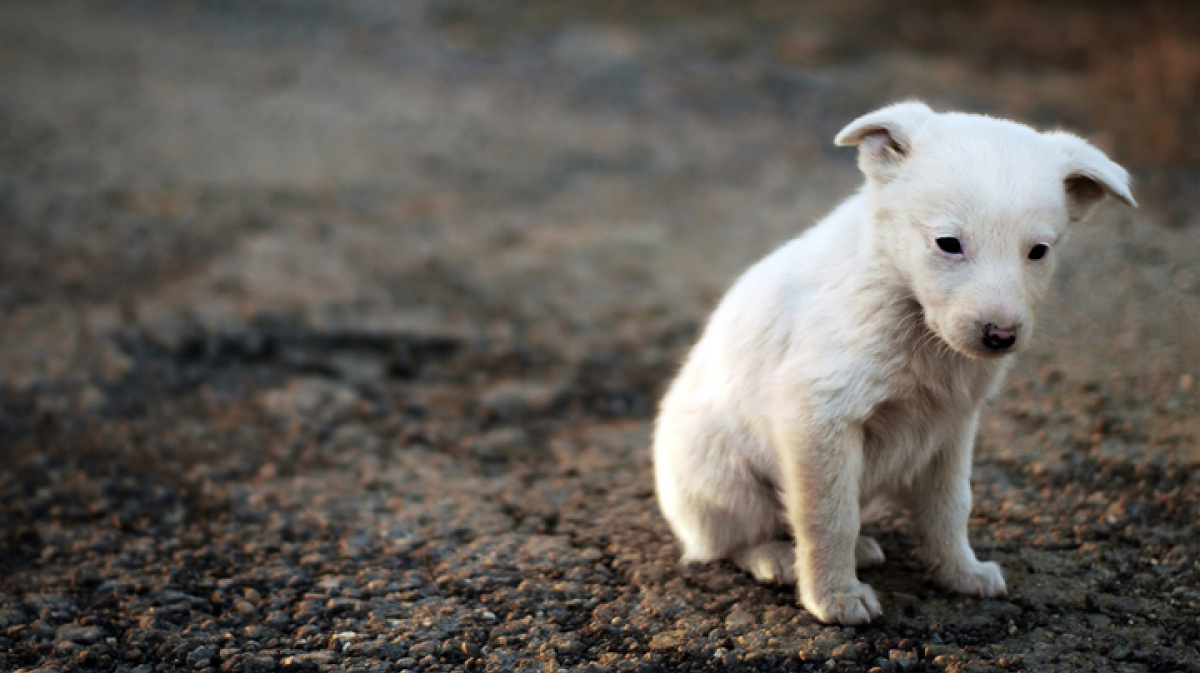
(999, 338)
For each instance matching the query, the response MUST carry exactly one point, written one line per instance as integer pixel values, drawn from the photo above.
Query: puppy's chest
(917, 419)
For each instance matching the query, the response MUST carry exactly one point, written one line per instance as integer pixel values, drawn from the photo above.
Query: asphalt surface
(332, 332)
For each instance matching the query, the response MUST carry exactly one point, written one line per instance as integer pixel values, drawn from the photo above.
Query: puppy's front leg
(822, 468)
(940, 505)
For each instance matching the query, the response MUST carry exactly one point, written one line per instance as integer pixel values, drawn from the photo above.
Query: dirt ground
(331, 331)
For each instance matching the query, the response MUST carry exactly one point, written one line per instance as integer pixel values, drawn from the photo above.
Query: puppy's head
(969, 212)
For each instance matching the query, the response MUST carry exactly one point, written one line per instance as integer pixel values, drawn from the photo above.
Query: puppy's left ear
(1090, 175)
(884, 137)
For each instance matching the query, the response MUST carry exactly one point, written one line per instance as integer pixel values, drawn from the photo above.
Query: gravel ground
(332, 331)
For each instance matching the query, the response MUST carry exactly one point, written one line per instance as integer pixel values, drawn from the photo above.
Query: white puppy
(851, 364)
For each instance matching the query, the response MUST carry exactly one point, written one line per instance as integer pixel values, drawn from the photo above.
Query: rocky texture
(332, 333)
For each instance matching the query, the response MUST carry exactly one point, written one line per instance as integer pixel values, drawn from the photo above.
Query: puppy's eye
(949, 245)
(1038, 251)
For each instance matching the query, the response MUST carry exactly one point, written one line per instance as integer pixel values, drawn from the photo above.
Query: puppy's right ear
(884, 137)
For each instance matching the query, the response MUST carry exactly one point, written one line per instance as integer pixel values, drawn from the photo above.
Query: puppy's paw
(770, 562)
(867, 552)
(978, 579)
(854, 605)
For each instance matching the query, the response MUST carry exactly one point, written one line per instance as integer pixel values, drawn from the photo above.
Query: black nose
(998, 339)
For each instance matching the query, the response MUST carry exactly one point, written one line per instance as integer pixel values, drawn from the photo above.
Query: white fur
(848, 365)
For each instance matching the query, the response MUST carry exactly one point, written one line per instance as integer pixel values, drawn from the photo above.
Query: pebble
(80, 634)
(259, 663)
(740, 619)
(500, 444)
(278, 619)
(663, 642)
(423, 649)
(846, 652)
(904, 660)
(511, 399)
(199, 657)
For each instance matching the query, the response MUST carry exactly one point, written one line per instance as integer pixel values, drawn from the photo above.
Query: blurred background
(589, 166)
(399, 271)
(571, 176)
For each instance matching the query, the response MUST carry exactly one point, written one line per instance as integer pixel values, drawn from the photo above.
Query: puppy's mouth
(939, 339)
(972, 352)
(982, 353)
(948, 344)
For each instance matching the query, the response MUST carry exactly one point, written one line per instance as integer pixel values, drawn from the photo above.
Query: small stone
(819, 649)
(944, 660)
(343, 604)
(903, 660)
(739, 619)
(317, 658)
(566, 643)
(311, 399)
(423, 649)
(846, 652)
(456, 647)
(200, 657)
(511, 398)
(278, 619)
(498, 444)
(80, 634)
(260, 663)
(668, 641)
(91, 399)
(10, 617)
(933, 651)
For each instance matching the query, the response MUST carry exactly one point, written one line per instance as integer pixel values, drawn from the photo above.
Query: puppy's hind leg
(740, 522)
(774, 562)
(714, 500)
(867, 552)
